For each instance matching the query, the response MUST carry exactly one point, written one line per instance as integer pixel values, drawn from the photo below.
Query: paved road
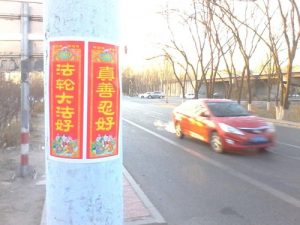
(191, 185)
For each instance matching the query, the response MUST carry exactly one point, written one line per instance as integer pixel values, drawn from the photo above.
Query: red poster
(103, 100)
(66, 98)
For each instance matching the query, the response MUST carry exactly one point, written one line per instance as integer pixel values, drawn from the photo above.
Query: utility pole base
(26, 172)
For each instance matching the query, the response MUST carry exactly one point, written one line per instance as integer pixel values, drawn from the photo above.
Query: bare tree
(9, 103)
(246, 40)
(180, 79)
(198, 65)
(138, 82)
(36, 89)
(291, 32)
(288, 35)
(225, 43)
(205, 20)
(177, 54)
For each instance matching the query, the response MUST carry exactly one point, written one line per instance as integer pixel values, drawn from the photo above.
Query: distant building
(11, 35)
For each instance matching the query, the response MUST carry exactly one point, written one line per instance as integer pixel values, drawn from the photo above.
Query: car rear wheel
(178, 130)
(216, 143)
(149, 96)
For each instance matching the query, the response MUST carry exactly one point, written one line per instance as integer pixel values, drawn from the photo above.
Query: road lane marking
(284, 155)
(167, 105)
(262, 186)
(294, 146)
(153, 112)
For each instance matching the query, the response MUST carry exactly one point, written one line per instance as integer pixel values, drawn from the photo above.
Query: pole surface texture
(90, 192)
(24, 164)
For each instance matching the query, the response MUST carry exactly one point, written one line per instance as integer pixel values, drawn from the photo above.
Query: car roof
(217, 100)
(193, 102)
(206, 100)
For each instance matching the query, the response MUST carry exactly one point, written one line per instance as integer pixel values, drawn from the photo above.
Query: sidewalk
(285, 123)
(22, 200)
(138, 209)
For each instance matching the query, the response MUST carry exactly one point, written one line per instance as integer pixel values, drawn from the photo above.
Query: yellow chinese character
(65, 112)
(67, 85)
(63, 125)
(65, 69)
(105, 90)
(105, 107)
(63, 98)
(104, 123)
(106, 73)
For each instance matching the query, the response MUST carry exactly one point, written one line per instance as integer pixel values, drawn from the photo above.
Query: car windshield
(227, 109)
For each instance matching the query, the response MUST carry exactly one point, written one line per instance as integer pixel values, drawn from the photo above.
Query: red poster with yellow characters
(66, 86)
(103, 101)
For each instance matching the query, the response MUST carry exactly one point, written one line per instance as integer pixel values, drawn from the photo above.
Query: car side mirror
(204, 114)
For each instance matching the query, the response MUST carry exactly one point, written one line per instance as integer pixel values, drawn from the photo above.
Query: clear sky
(142, 30)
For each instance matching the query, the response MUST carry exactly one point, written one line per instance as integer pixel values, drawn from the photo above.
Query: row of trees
(134, 83)
(10, 103)
(233, 37)
(10, 99)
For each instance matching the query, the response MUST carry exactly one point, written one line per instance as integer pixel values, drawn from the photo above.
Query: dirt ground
(22, 199)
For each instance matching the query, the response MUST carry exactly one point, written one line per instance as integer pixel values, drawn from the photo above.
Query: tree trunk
(249, 107)
(281, 113)
(268, 106)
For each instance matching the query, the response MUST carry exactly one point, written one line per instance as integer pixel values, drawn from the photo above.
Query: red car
(223, 123)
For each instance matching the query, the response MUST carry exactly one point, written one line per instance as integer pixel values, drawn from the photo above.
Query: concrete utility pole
(25, 108)
(84, 183)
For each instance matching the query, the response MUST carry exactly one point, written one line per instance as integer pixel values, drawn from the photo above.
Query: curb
(43, 220)
(284, 123)
(156, 218)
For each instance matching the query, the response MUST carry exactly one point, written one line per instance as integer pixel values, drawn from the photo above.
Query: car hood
(242, 122)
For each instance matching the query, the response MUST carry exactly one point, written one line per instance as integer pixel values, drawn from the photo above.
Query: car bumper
(234, 144)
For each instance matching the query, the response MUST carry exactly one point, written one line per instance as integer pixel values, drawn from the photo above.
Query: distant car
(223, 123)
(145, 95)
(217, 95)
(189, 96)
(155, 94)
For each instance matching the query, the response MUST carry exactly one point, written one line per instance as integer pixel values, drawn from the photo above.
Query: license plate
(259, 139)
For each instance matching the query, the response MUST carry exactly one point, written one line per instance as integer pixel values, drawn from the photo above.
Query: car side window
(200, 110)
(187, 108)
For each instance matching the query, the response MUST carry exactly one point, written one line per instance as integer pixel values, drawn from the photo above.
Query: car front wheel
(263, 149)
(216, 143)
(178, 130)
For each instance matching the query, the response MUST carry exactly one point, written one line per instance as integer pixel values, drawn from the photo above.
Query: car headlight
(229, 129)
(271, 127)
